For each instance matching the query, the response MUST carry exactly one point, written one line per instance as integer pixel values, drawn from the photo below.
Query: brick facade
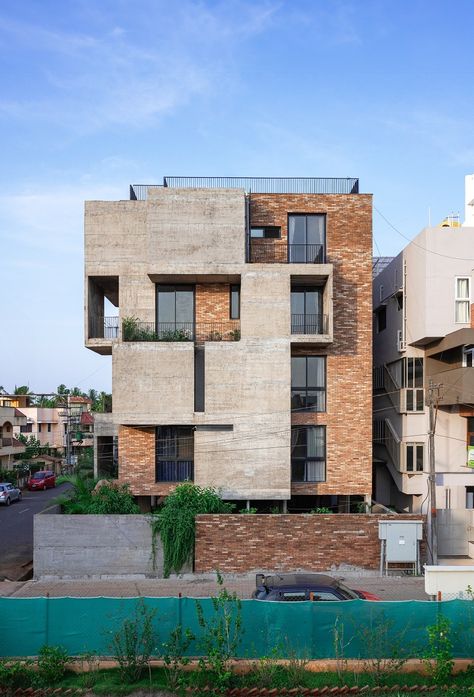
(137, 462)
(349, 358)
(242, 543)
(213, 312)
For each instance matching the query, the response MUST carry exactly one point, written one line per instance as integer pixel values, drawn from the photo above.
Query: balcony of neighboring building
(450, 363)
(102, 325)
(405, 459)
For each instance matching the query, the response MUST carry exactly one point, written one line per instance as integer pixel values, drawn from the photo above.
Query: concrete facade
(416, 296)
(199, 238)
(95, 546)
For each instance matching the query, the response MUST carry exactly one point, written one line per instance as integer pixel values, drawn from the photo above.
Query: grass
(108, 682)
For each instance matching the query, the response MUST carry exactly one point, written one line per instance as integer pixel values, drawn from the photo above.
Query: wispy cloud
(115, 76)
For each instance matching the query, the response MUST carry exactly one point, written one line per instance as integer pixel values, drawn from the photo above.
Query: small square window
(266, 232)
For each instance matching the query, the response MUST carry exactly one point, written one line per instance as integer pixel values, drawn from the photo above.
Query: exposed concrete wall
(95, 546)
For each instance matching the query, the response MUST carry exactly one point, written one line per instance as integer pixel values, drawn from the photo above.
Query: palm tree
(22, 389)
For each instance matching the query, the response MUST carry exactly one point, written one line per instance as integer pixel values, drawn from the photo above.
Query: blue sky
(98, 94)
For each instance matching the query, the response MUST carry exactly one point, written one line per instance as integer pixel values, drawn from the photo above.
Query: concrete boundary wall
(311, 542)
(95, 546)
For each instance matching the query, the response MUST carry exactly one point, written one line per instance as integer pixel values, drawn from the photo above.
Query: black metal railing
(133, 330)
(256, 185)
(309, 324)
(104, 328)
(306, 254)
(174, 471)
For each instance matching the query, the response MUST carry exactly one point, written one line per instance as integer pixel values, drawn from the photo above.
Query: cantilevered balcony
(135, 330)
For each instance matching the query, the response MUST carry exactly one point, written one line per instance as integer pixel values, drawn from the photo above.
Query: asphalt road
(16, 530)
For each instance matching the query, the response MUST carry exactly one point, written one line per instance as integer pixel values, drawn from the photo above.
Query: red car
(42, 480)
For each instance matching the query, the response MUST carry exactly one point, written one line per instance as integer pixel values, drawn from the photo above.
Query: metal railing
(105, 328)
(256, 185)
(174, 471)
(309, 324)
(306, 254)
(181, 331)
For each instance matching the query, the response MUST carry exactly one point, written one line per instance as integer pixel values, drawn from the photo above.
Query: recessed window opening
(265, 232)
(306, 238)
(308, 383)
(462, 301)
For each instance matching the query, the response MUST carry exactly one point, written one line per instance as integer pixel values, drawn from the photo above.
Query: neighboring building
(241, 352)
(45, 424)
(10, 418)
(423, 334)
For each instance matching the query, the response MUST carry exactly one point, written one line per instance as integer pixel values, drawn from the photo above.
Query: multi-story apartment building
(10, 418)
(424, 335)
(241, 353)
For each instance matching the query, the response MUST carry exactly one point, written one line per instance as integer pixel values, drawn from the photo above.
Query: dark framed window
(308, 383)
(39, 428)
(306, 310)
(266, 232)
(308, 453)
(235, 302)
(27, 428)
(306, 238)
(381, 318)
(174, 453)
(415, 457)
(175, 310)
(49, 428)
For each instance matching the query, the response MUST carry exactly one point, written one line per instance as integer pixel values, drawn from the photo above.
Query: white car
(9, 493)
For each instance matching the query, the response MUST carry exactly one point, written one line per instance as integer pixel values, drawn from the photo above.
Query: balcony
(277, 251)
(134, 330)
(309, 324)
(105, 328)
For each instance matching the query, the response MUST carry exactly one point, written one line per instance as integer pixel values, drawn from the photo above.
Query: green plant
(222, 634)
(108, 499)
(339, 647)
(321, 509)
(265, 670)
(234, 334)
(16, 675)
(175, 335)
(439, 655)
(173, 652)
(386, 650)
(175, 523)
(295, 667)
(274, 509)
(89, 668)
(248, 511)
(134, 642)
(214, 336)
(51, 664)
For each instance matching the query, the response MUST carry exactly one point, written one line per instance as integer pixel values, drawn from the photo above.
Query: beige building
(11, 418)
(242, 337)
(423, 335)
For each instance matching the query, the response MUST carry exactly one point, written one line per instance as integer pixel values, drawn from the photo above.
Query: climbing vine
(175, 523)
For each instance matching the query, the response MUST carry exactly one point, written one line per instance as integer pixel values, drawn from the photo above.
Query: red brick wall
(241, 543)
(213, 310)
(137, 462)
(348, 417)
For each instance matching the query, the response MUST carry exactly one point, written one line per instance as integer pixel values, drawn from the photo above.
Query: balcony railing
(174, 471)
(181, 331)
(306, 254)
(309, 324)
(106, 328)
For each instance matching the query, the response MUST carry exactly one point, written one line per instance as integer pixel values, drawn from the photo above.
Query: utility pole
(433, 403)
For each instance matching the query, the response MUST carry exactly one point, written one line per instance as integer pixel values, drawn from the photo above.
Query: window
(308, 383)
(39, 428)
(308, 453)
(413, 381)
(467, 356)
(235, 302)
(306, 239)
(414, 457)
(28, 428)
(462, 301)
(175, 311)
(470, 497)
(306, 310)
(49, 428)
(174, 453)
(265, 232)
(381, 319)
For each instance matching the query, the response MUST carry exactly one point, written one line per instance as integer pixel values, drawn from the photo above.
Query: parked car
(298, 587)
(9, 493)
(42, 480)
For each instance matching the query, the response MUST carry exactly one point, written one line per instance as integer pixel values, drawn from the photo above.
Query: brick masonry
(349, 358)
(242, 543)
(137, 462)
(213, 312)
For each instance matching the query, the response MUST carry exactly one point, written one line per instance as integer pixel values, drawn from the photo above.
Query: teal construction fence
(356, 628)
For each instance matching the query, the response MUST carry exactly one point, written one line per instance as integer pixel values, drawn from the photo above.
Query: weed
(439, 655)
(51, 664)
(133, 643)
(387, 651)
(173, 652)
(16, 674)
(89, 668)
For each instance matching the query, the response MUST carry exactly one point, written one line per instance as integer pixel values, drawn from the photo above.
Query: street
(16, 530)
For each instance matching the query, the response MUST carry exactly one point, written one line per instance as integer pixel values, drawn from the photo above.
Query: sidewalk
(386, 587)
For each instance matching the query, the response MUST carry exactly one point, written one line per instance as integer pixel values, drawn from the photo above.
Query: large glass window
(306, 310)
(174, 453)
(306, 238)
(414, 457)
(175, 310)
(413, 381)
(308, 453)
(462, 302)
(308, 383)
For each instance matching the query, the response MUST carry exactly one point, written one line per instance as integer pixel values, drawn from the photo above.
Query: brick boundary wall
(312, 542)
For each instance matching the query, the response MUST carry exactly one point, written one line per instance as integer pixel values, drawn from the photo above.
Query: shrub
(16, 675)
(134, 642)
(108, 499)
(51, 664)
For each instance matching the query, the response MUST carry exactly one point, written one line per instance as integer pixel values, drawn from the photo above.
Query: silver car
(9, 493)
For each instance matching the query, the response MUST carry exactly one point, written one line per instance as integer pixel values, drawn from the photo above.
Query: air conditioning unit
(401, 343)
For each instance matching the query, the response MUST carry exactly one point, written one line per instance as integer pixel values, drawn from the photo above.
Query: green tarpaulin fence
(354, 629)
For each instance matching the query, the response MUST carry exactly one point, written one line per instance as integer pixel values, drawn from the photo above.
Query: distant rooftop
(255, 185)
(379, 264)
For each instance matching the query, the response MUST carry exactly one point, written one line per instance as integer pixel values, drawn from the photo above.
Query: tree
(32, 445)
(22, 389)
